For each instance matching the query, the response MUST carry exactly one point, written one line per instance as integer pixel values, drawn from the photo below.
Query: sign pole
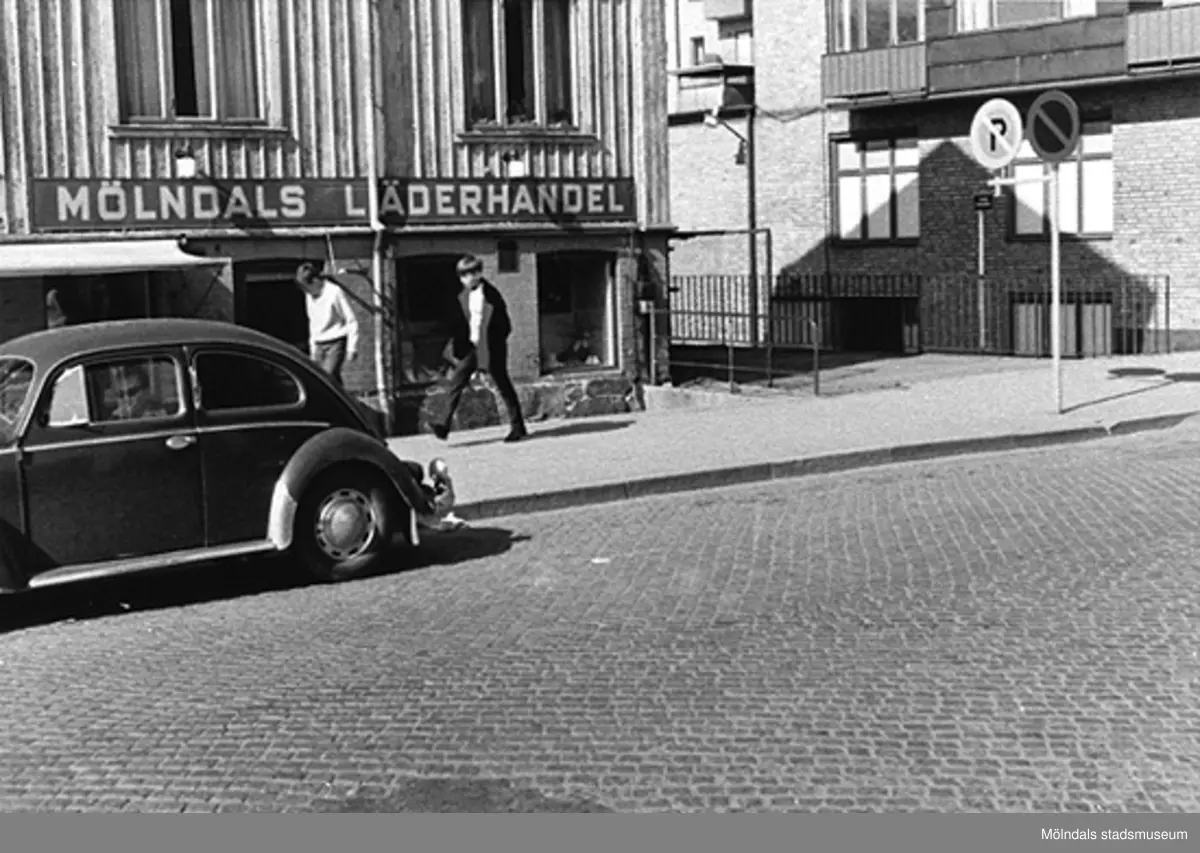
(1055, 292)
(979, 284)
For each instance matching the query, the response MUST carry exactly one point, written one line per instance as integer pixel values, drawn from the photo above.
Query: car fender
(324, 450)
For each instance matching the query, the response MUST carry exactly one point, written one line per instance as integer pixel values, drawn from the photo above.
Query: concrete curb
(826, 464)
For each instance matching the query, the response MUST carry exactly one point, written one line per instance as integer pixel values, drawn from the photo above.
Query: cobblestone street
(1015, 632)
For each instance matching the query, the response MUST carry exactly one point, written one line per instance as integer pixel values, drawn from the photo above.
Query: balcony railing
(1164, 37)
(897, 70)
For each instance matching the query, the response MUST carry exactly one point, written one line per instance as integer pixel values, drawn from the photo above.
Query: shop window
(72, 300)
(231, 381)
(510, 44)
(1085, 189)
(131, 389)
(188, 59)
(428, 289)
(877, 197)
(576, 310)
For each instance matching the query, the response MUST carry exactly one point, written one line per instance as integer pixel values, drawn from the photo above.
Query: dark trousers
(330, 356)
(460, 378)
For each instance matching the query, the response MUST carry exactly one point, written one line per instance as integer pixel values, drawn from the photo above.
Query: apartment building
(711, 58)
(182, 157)
(863, 166)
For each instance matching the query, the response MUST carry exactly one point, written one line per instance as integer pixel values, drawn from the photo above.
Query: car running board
(110, 568)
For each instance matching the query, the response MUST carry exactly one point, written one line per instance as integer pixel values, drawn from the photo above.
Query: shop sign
(81, 205)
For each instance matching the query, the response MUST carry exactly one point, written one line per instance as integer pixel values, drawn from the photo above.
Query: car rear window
(231, 381)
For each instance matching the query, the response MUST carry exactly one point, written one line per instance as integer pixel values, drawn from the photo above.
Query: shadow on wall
(895, 293)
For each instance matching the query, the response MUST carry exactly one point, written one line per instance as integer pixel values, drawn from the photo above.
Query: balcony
(727, 10)
(1057, 52)
(896, 72)
(1164, 38)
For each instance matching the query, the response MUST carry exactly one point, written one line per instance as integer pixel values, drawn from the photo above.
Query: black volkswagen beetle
(142, 444)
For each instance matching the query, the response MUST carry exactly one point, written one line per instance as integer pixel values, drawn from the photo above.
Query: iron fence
(711, 317)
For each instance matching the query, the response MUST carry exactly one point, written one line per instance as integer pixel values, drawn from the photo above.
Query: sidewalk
(767, 436)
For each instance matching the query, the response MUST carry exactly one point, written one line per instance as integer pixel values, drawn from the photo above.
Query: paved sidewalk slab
(589, 460)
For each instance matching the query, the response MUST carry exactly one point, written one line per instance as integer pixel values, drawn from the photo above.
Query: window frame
(1078, 158)
(836, 173)
(216, 82)
(41, 432)
(611, 323)
(499, 50)
(839, 21)
(202, 411)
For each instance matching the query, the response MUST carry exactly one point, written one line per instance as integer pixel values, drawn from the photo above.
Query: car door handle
(179, 442)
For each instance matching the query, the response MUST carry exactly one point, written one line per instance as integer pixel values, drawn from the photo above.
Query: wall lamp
(185, 162)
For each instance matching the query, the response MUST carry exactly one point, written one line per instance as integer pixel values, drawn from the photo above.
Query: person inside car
(130, 396)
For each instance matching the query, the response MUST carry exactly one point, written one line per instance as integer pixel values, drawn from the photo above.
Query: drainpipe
(381, 383)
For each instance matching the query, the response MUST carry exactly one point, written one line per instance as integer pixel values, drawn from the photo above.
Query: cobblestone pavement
(1011, 632)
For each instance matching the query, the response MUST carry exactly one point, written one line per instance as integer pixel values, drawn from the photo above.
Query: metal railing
(711, 318)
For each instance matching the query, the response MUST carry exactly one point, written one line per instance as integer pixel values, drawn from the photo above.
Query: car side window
(236, 381)
(120, 390)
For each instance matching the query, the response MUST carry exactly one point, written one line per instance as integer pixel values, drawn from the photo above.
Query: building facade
(230, 140)
(862, 112)
(710, 46)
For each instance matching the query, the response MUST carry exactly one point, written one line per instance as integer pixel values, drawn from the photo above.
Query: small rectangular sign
(95, 205)
(983, 201)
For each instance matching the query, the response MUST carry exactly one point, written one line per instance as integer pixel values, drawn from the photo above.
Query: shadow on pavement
(201, 584)
(1112, 397)
(1183, 377)
(473, 796)
(462, 545)
(1131, 372)
(580, 427)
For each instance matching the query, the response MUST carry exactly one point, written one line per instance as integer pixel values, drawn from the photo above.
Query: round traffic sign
(1053, 128)
(996, 133)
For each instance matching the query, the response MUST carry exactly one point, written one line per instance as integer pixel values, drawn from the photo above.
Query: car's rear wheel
(346, 523)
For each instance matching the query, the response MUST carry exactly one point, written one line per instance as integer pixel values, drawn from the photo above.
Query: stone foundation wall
(565, 397)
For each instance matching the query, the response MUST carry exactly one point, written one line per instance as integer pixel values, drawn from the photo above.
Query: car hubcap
(345, 524)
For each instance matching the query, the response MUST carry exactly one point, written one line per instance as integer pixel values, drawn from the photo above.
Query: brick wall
(708, 191)
(789, 42)
(1156, 129)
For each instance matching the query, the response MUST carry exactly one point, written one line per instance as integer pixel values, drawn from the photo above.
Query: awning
(34, 260)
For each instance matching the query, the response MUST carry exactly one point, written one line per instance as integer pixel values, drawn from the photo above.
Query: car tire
(346, 523)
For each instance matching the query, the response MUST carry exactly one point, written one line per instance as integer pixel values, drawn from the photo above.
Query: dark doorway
(872, 325)
(428, 287)
(271, 301)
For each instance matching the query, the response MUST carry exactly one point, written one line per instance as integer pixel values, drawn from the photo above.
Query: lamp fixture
(185, 162)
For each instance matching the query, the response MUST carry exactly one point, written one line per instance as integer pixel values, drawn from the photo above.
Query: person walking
(480, 330)
(332, 326)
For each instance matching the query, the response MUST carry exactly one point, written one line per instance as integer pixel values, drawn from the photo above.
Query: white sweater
(330, 317)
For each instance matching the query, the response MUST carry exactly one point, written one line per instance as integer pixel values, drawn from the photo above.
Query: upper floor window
(187, 59)
(1085, 188)
(877, 197)
(517, 62)
(992, 14)
(869, 24)
(698, 52)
